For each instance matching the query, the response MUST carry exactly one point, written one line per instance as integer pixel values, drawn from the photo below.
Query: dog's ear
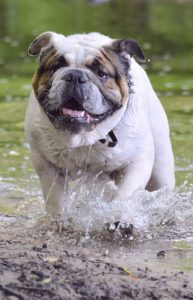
(129, 47)
(41, 42)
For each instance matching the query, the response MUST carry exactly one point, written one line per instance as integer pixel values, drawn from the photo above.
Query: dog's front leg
(52, 183)
(133, 177)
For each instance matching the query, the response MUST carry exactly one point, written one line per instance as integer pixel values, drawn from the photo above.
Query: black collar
(113, 138)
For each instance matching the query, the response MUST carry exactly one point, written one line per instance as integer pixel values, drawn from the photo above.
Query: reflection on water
(169, 46)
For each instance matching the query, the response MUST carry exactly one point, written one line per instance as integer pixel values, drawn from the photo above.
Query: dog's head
(82, 80)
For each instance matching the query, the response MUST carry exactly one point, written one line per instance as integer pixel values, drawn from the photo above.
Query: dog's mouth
(73, 112)
(80, 114)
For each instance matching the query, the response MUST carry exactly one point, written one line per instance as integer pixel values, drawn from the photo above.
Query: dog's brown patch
(49, 61)
(118, 81)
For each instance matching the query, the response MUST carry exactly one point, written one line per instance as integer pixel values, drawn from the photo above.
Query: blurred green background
(163, 29)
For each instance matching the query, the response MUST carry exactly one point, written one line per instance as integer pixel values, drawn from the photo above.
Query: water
(161, 219)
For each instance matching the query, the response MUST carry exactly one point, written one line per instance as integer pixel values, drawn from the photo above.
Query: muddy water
(161, 220)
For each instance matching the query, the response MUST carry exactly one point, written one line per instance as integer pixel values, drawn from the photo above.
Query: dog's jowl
(90, 93)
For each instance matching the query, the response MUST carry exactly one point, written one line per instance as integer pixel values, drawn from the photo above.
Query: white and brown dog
(83, 114)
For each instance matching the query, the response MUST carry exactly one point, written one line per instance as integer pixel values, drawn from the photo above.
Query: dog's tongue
(73, 113)
(77, 114)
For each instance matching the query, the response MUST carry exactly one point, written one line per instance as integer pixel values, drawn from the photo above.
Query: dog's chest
(91, 159)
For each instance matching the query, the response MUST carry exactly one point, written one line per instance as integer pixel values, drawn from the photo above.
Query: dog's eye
(59, 64)
(54, 68)
(52, 71)
(95, 67)
(103, 75)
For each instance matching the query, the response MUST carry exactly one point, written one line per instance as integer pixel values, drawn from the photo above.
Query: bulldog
(93, 109)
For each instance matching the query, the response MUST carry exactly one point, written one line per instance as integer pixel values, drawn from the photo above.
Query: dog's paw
(111, 227)
(124, 230)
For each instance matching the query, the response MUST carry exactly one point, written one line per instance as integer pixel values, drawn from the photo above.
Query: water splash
(88, 208)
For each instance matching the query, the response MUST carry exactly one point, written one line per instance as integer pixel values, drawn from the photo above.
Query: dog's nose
(76, 76)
